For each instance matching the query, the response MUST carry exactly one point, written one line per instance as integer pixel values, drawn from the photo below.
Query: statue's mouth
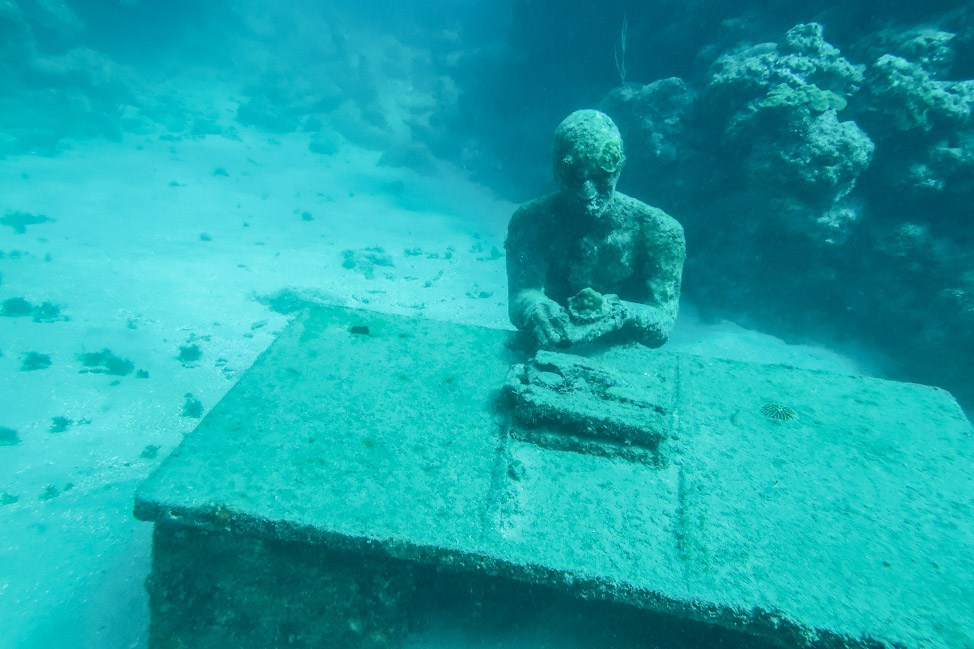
(594, 206)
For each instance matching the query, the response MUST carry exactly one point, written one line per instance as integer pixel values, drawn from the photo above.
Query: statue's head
(588, 159)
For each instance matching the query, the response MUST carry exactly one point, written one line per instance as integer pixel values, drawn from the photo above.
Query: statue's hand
(546, 321)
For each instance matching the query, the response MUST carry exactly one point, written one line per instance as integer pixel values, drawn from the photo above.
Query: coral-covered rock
(656, 118)
(948, 167)
(907, 98)
(654, 115)
(922, 125)
(815, 158)
(804, 60)
(780, 104)
(933, 49)
(799, 173)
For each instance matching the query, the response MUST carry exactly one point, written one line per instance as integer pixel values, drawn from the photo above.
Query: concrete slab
(812, 509)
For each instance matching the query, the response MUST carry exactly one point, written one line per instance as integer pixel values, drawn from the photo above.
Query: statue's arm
(664, 248)
(528, 306)
(525, 264)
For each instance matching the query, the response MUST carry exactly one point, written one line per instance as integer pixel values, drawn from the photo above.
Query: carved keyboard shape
(578, 404)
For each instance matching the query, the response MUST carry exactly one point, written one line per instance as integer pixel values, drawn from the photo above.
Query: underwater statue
(587, 262)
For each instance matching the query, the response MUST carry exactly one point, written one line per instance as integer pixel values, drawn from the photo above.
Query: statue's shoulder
(535, 214)
(653, 219)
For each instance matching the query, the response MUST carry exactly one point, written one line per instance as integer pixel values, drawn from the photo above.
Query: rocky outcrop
(822, 197)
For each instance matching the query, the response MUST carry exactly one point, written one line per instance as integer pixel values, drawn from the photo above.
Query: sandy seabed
(156, 248)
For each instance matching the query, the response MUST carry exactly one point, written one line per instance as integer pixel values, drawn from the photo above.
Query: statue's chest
(601, 261)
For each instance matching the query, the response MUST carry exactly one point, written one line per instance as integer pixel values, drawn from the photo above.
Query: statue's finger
(540, 335)
(548, 335)
(558, 333)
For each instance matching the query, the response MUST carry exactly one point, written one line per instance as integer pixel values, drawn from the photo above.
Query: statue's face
(588, 159)
(586, 185)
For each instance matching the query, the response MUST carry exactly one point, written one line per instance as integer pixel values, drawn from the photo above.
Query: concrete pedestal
(805, 508)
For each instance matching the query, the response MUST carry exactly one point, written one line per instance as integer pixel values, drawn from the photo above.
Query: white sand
(129, 268)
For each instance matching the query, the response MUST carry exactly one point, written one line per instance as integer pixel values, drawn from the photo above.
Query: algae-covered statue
(588, 262)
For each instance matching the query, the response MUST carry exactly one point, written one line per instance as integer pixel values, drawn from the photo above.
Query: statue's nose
(588, 190)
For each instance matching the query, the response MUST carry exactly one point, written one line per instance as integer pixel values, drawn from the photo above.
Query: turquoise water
(177, 179)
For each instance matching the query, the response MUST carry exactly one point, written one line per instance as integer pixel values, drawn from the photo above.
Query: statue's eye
(577, 171)
(574, 169)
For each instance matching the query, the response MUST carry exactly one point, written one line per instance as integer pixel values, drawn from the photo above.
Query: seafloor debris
(18, 307)
(192, 407)
(35, 361)
(778, 412)
(8, 436)
(366, 260)
(20, 220)
(105, 362)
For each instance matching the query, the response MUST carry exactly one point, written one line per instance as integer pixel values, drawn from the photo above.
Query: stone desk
(364, 455)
